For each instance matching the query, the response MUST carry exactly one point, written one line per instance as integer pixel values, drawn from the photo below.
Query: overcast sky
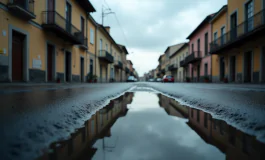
(152, 25)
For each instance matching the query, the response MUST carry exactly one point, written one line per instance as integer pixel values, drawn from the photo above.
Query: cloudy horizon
(150, 26)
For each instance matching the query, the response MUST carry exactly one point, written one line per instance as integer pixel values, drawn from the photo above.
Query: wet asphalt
(32, 117)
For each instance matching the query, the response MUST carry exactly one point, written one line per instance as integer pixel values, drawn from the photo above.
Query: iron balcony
(54, 22)
(127, 70)
(247, 31)
(84, 44)
(183, 63)
(173, 67)
(105, 56)
(195, 56)
(118, 64)
(23, 9)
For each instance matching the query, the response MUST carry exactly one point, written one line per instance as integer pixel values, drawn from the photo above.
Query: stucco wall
(200, 34)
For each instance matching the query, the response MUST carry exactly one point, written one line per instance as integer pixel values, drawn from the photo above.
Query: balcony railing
(84, 44)
(53, 21)
(22, 8)
(183, 63)
(242, 31)
(118, 64)
(173, 67)
(127, 70)
(106, 56)
(193, 57)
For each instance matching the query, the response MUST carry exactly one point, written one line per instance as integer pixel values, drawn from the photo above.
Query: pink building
(199, 60)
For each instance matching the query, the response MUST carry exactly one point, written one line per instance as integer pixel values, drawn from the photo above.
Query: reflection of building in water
(79, 146)
(234, 143)
(172, 107)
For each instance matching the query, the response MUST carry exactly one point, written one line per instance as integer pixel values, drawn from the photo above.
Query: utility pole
(105, 12)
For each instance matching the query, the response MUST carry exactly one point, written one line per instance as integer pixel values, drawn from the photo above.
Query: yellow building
(176, 70)
(91, 52)
(43, 41)
(125, 69)
(108, 56)
(238, 40)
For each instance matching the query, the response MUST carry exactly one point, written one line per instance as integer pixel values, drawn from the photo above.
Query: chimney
(107, 28)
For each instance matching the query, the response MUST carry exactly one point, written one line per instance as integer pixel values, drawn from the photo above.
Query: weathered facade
(43, 41)
(177, 71)
(199, 59)
(240, 48)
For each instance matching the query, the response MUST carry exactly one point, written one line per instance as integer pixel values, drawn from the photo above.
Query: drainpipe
(87, 51)
(96, 48)
(211, 55)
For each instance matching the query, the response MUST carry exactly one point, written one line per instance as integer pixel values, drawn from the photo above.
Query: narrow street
(78, 121)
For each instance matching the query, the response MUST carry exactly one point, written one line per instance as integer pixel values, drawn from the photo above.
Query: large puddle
(149, 126)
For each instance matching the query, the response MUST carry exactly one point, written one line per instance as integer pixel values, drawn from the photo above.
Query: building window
(249, 15)
(83, 26)
(91, 36)
(92, 126)
(206, 44)
(192, 48)
(222, 35)
(214, 124)
(199, 45)
(198, 116)
(191, 112)
(215, 37)
(107, 48)
(205, 120)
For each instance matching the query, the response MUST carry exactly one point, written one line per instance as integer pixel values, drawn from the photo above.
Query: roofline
(206, 19)
(167, 49)
(130, 62)
(92, 20)
(125, 49)
(82, 3)
(222, 10)
(184, 45)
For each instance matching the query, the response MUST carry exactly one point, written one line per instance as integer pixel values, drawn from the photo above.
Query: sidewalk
(28, 87)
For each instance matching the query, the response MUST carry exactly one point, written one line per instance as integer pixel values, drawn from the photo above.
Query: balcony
(183, 63)
(248, 30)
(105, 56)
(118, 64)
(173, 67)
(84, 44)
(57, 24)
(23, 9)
(127, 70)
(193, 57)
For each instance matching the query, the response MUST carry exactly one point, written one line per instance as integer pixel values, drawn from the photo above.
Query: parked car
(158, 80)
(151, 80)
(131, 79)
(168, 78)
(135, 79)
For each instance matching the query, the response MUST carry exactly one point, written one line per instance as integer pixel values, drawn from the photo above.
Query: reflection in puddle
(138, 126)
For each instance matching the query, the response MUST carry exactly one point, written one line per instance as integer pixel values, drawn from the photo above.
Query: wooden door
(17, 56)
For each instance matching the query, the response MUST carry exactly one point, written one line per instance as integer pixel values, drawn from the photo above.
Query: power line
(124, 36)
(121, 28)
